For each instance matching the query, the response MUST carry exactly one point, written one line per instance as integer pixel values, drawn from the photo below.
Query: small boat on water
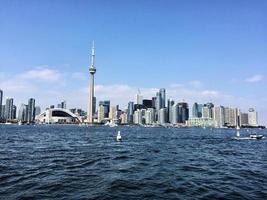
(119, 139)
(256, 137)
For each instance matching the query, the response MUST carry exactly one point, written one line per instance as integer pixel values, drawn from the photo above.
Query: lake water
(72, 162)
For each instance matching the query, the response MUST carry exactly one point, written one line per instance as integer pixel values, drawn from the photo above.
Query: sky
(200, 51)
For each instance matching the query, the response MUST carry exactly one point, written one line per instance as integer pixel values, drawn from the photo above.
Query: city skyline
(218, 60)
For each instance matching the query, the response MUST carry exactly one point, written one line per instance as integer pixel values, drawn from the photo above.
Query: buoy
(119, 139)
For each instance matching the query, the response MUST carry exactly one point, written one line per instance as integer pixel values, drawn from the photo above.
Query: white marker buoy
(119, 139)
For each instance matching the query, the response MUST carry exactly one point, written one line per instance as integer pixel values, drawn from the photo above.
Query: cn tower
(92, 71)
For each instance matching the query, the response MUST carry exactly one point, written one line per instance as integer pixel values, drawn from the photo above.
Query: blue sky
(198, 50)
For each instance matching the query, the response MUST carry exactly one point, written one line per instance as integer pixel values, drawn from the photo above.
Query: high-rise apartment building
(9, 108)
(252, 117)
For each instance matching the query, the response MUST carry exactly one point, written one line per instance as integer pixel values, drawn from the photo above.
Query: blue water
(72, 162)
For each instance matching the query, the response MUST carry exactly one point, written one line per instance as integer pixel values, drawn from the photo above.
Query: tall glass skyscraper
(197, 110)
(130, 112)
(162, 92)
(106, 105)
(31, 111)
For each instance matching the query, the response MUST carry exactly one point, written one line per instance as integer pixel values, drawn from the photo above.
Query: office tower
(162, 116)
(197, 110)
(106, 105)
(37, 110)
(150, 116)
(158, 101)
(183, 112)
(218, 116)
(154, 100)
(162, 92)
(139, 99)
(31, 111)
(14, 112)
(92, 71)
(174, 113)
(147, 103)
(244, 119)
(252, 117)
(9, 108)
(101, 113)
(169, 110)
(1, 102)
(130, 112)
(22, 116)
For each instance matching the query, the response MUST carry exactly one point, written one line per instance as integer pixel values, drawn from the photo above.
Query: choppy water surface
(72, 162)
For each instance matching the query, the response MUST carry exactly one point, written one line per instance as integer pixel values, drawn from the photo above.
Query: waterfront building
(92, 71)
(3, 112)
(113, 114)
(130, 112)
(252, 117)
(230, 116)
(154, 100)
(158, 101)
(174, 113)
(57, 116)
(200, 122)
(31, 111)
(197, 110)
(150, 116)
(9, 108)
(207, 110)
(244, 119)
(106, 105)
(139, 115)
(183, 112)
(37, 110)
(101, 113)
(147, 103)
(1, 102)
(14, 112)
(218, 116)
(22, 116)
(123, 118)
(162, 92)
(162, 116)
(169, 110)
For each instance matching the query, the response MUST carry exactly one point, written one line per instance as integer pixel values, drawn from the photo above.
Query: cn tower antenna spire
(93, 55)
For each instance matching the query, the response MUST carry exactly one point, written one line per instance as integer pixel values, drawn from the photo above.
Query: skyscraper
(252, 117)
(218, 116)
(92, 71)
(31, 110)
(106, 105)
(197, 110)
(1, 102)
(8, 108)
(162, 92)
(183, 112)
(23, 113)
(169, 110)
(130, 112)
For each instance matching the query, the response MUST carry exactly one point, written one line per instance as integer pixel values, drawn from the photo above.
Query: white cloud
(41, 74)
(196, 84)
(255, 78)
